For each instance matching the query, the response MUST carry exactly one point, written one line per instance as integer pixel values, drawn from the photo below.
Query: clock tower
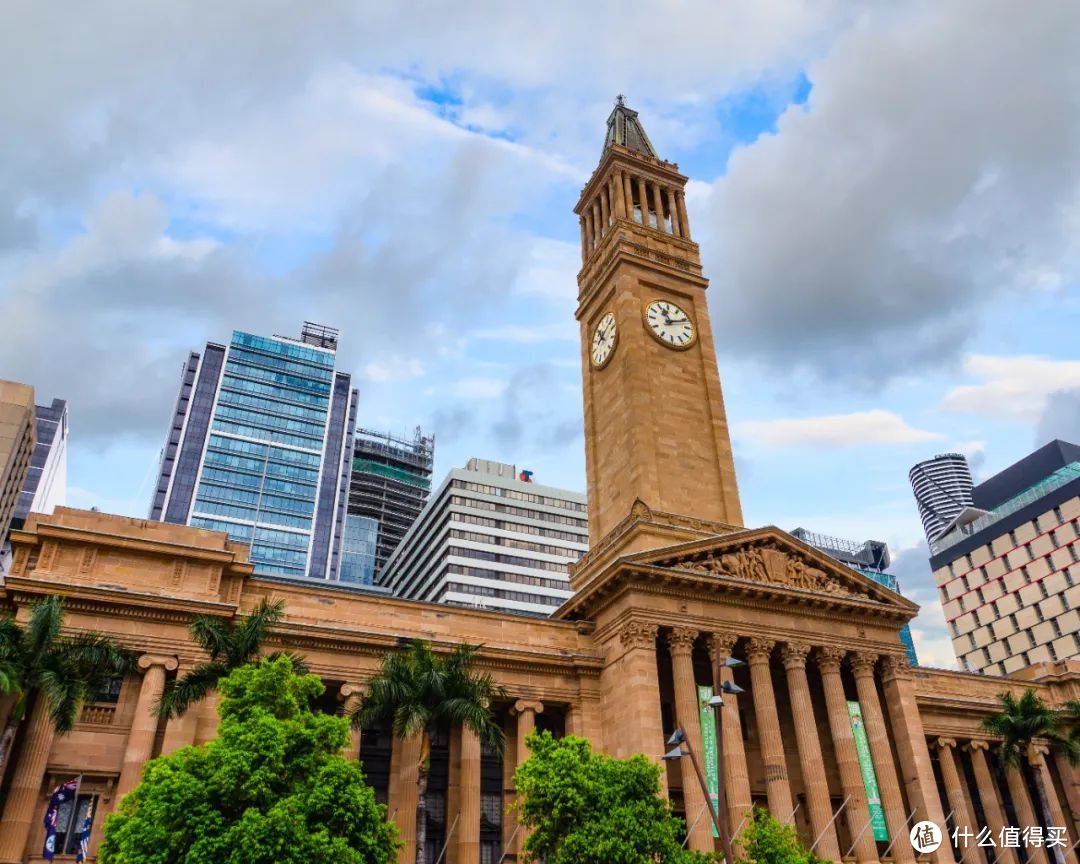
(655, 426)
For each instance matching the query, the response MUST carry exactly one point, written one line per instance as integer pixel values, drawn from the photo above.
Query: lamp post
(717, 705)
(677, 739)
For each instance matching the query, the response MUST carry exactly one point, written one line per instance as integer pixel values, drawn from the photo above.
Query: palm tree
(1019, 723)
(230, 644)
(39, 661)
(415, 690)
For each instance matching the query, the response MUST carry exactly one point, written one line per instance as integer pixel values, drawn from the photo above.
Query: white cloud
(837, 430)
(1012, 388)
(395, 368)
(478, 388)
(564, 331)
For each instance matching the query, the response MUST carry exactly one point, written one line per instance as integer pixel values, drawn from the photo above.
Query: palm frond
(63, 694)
(212, 633)
(249, 634)
(43, 628)
(191, 687)
(299, 661)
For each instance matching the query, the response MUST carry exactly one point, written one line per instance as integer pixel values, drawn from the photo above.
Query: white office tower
(942, 488)
(491, 538)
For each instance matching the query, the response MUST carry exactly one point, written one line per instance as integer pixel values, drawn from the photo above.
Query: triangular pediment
(770, 557)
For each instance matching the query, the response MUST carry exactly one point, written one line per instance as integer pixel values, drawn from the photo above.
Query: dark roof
(1024, 474)
(623, 127)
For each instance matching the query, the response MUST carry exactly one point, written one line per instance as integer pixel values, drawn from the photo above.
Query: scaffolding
(390, 483)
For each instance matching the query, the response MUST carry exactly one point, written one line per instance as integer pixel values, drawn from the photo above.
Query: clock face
(604, 338)
(670, 324)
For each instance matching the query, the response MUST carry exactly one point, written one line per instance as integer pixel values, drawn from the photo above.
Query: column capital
(759, 649)
(681, 641)
(638, 634)
(531, 705)
(863, 663)
(148, 661)
(829, 658)
(895, 667)
(1036, 752)
(794, 654)
(976, 744)
(349, 690)
(721, 644)
(945, 743)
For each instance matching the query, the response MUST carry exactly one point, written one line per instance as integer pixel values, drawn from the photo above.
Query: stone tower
(655, 425)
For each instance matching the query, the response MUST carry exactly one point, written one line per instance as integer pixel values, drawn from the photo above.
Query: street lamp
(676, 741)
(717, 703)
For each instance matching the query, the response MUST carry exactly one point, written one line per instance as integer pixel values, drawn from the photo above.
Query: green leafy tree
(270, 789)
(583, 807)
(230, 644)
(415, 690)
(1019, 723)
(39, 661)
(766, 841)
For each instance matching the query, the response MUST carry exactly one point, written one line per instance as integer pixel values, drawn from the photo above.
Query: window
(111, 691)
(69, 821)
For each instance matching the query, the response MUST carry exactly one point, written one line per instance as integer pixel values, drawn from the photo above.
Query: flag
(84, 833)
(525, 476)
(62, 793)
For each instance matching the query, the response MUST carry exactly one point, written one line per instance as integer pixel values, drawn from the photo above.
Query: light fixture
(677, 737)
(732, 662)
(673, 754)
(732, 688)
(716, 702)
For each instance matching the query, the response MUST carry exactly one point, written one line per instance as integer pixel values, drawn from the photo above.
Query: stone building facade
(672, 584)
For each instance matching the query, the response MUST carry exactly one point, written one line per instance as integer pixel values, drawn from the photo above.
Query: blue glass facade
(261, 431)
(358, 550)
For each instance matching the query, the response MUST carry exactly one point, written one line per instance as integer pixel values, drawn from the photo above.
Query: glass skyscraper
(260, 447)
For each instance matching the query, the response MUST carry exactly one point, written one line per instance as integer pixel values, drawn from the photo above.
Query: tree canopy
(270, 789)
(583, 807)
(766, 841)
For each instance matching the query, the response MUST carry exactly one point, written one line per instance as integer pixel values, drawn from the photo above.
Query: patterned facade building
(673, 584)
(17, 439)
(1008, 567)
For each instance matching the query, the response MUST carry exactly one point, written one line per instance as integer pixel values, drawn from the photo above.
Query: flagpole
(74, 807)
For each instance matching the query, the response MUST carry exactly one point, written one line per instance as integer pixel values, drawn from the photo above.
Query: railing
(1018, 502)
(99, 715)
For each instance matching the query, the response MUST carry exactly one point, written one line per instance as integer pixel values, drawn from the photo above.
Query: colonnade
(615, 199)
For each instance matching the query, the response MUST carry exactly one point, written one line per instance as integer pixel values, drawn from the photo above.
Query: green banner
(708, 754)
(869, 778)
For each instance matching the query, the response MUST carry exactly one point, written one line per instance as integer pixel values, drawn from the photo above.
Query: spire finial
(619, 99)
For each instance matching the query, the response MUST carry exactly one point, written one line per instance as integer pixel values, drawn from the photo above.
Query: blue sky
(886, 200)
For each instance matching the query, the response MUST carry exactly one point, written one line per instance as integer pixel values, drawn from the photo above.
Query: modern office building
(390, 484)
(17, 438)
(1008, 567)
(871, 558)
(45, 487)
(260, 447)
(491, 539)
(942, 488)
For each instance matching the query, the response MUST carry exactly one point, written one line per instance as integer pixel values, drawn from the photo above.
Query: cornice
(116, 601)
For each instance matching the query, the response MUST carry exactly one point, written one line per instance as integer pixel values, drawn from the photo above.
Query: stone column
(598, 230)
(892, 801)
(180, 731)
(963, 815)
(759, 653)
(1037, 758)
(509, 796)
(467, 833)
(630, 689)
(140, 743)
(351, 696)
(643, 199)
(1070, 783)
(991, 802)
(618, 195)
(736, 776)
(911, 747)
(818, 801)
(659, 202)
(584, 238)
(676, 229)
(207, 722)
(526, 712)
(404, 794)
(681, 645)
(628, 193)
(684, 221)
(847, 757)
(24, 792)
(1025, 813)
(605, 211)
